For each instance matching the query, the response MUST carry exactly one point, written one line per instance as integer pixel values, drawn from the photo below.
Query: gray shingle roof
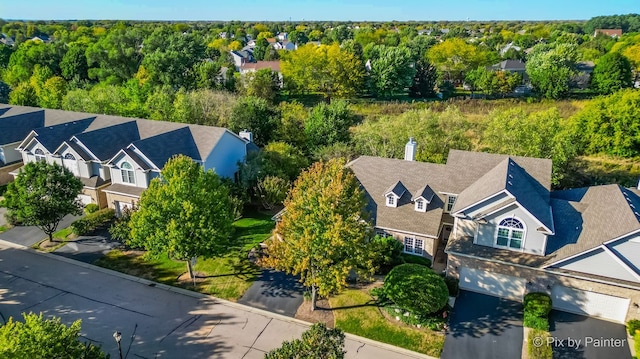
(398, 189)
(107, 141)
(425, 192)
(125, 189)
(15, 128)
(51, 137)
(157, 150)
(588, 217)
(134, 156)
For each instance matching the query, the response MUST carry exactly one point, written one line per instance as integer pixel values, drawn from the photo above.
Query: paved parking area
(482, 326)
(591, 338)
(276, 292)
(29, 235)
(155, 321)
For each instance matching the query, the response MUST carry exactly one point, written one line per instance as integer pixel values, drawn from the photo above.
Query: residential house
(608, 32)
(508, 47)
(242, 57)
(493, 222)
(582, 78)
(117, 157)
(513, 66)
(284, 45)
(283, 36)
(16, 122)
(7, 40)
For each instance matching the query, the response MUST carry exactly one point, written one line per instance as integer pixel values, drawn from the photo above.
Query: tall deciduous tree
(38, 337)
(263, 83)
(454, 56)
(550, 67)
(318, 342)
(329, 70)
(424, 81)
(392, 71)
(328, 124)
(612, 73)
(42, 195)
(256, 115)
(185, 213)
(324, 232)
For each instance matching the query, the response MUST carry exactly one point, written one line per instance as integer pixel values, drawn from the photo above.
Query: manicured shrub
(91, 222)
(633, 326)
(536, 311)
(416, 288)
(452, 285)
(91, 208)
(387, 253)
(537, 346)
(410, 258)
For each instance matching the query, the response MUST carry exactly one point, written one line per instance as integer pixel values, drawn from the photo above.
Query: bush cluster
(91, 208)
(453, 286)
(416, 288)
(387, 253)
(536, 311)
(410, 258)
(544, 351)
(92, 221)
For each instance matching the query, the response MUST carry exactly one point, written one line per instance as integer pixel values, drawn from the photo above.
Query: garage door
(499, 285)
(122, 206)
(589, 303)
(84, 199)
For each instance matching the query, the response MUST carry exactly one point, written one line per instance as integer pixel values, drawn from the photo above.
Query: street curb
(224, 302)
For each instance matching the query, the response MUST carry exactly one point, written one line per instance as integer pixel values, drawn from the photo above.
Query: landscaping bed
(537, 307)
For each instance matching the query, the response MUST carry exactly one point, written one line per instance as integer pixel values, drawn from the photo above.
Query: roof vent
(509, 183)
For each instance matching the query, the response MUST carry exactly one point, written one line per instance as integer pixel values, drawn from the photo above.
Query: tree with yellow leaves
(324, 234)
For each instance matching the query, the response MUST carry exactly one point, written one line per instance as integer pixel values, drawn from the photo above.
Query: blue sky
(275, 10)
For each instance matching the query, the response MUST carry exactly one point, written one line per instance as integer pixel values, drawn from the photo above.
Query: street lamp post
(118, 336)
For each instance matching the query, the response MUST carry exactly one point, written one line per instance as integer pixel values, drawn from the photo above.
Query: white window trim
(448, 209)
(413, 248)
(130, 174)
(40, 156)
(510, 237)
(390, 196)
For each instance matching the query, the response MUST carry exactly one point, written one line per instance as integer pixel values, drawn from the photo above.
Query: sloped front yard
(226, 277)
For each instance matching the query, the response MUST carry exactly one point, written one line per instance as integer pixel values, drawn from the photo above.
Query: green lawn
(226, 277)
(62, 234)
(4, 228)
(355, 312)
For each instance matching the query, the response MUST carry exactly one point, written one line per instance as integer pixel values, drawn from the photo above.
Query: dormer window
(394, 193)
(391, 200)
(419, 205)
(126, 170)
(69, 156)
(39, 154)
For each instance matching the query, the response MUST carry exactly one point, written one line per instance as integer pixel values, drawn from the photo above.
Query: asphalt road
(588, 337)
(482, 326)
(155, 322)
(276, 292)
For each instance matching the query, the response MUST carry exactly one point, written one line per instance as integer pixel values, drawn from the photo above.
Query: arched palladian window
(40, 155)
(127, 173)
(69, 156)
(510, 233)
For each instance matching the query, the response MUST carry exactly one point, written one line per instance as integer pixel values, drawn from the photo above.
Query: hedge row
(536, 311)
(92, 221)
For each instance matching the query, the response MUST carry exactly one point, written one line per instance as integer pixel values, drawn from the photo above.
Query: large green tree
(328, 124)
(612, 73)
(454, 56)
(392, 71)
(38, 337)
(424, 81)
(115, 58)
(318, 342)
(185, 213)
(256, 115)
(327, 69)
(42, 194)
(550, 67)
(324, 233)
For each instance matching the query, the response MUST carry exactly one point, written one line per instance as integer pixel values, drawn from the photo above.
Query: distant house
(282, 36)
(242, 57)
(41, 38)
(284, 45)
(7, 40)
(508, 47)
(513, 66)
(608, 32)
(582, 78)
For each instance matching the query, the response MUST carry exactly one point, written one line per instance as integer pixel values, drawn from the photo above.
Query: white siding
(10, 154)
(225, 156)
(534, 241)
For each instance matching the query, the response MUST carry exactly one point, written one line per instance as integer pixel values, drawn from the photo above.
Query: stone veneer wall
(5, 177)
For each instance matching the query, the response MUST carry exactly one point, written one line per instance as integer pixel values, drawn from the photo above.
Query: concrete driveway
(156, 321)
(276, 292)
(29, 235)
(482, 326)
(587, 336)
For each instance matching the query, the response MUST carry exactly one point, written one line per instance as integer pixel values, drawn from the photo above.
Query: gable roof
(513, 65)
(51, 137)
(272, 65)
(105, 142)
(425, 192)
(398, 189)
(156, 150)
